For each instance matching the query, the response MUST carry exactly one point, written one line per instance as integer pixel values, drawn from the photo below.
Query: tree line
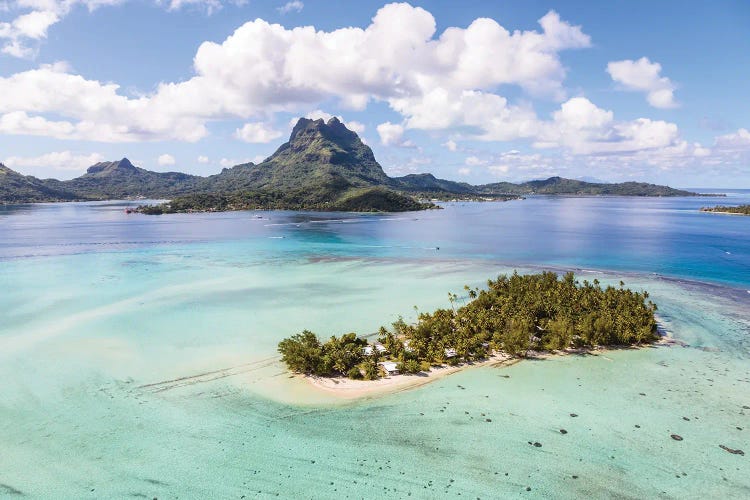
(514, 314)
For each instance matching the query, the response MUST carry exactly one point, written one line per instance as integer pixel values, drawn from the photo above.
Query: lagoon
(137, 354)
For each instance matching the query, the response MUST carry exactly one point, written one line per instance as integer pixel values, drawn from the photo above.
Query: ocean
(138, 354)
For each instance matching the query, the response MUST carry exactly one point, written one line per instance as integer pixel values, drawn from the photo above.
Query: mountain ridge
(322, 166)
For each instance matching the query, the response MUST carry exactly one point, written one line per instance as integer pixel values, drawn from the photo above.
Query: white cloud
(92, 110)
(474, 161)
(583, 128)
(644, 76)
(293, 6)
(259, 133)
(203, 159)
(165, 159)
(735, 140)
(464, 171)
(59, 160)
(355, 126)
(264, 68)
(433, 80)
(392, 134)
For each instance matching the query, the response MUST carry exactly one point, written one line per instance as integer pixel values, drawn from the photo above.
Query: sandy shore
(345, 388)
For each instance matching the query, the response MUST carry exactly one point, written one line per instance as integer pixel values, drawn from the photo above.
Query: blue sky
(474, 91)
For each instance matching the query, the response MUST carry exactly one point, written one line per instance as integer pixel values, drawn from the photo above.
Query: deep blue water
(666, 236)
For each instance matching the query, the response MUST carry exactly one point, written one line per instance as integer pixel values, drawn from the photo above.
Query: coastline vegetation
(320, 198)
(740, 210)
(515, 315)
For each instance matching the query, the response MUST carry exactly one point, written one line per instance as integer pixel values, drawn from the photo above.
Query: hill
(17, 188)
(122, 179)
(562, 186)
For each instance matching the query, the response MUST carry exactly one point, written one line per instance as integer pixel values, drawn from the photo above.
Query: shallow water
(138, 354)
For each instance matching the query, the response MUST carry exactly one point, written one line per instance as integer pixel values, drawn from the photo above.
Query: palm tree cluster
(514, 314)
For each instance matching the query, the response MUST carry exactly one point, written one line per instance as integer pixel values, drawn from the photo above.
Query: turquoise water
(137, 354)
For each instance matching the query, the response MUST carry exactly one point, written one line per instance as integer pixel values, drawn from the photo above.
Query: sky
(475, 91)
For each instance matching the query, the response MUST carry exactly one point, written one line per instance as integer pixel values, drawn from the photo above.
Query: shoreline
(723, 212)
(347, 389)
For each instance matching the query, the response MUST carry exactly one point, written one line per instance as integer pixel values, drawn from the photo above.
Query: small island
(736, 210)
(369, 199)
(513, 317)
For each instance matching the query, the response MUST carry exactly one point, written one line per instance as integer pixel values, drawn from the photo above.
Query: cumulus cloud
(644, 76)
(259, 133)
(450, 145)
(264, 68)
(392, 134)
(59, 160)
(736, 140)
(434, 81)
(165, 159)
(203, 159)
(356, 126)
(584, 128)
(464, 171)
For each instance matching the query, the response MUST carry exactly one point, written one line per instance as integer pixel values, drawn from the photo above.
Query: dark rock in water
(731, 450)
(745, 407)
(676, 437)
(538, 444)
(686, 419)
(573, 414)
(637, 426)
(574, 477)
(563, 431)
(488, 420)
(528, 488)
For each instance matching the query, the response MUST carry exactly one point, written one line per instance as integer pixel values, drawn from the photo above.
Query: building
(368, 349)
(390, 367)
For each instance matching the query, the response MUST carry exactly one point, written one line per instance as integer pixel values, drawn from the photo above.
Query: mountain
(122, 179)
(317, 152)
(562, 186)
(17, 188)
(323, 166)
(428, 183)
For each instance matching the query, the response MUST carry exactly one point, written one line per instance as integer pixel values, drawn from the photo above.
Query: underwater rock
(731, 450)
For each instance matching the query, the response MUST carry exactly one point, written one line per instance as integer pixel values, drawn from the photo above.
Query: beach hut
(369, 349)
(450, 353)
(390, 367)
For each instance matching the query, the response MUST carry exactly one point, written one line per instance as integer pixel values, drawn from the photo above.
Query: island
(513, 317)
(323, 166)
(736, 210)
